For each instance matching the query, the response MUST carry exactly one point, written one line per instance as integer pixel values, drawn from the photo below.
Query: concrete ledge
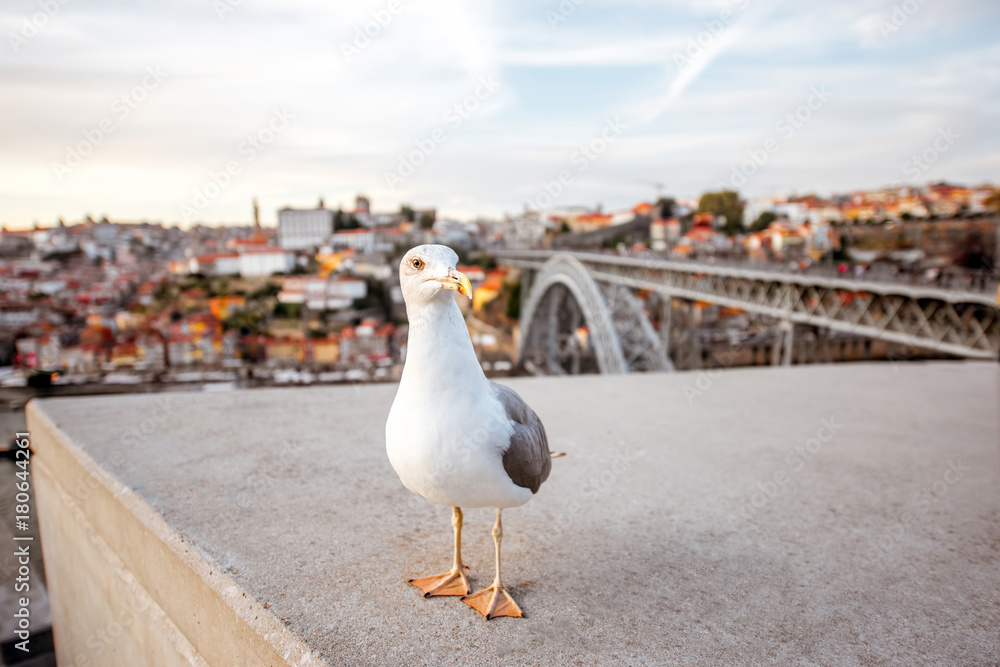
(814, 515)
(131, 590)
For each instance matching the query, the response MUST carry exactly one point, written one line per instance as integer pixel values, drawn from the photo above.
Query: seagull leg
(454, 581)
(494, 601)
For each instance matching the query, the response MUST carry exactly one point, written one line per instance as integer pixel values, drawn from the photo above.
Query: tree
(377, 297)
(426, 220)
(513, 310)
(762, 221)
(246, 322)
(290, 311)
(666, 207)
(993, 201)
(266, 290)
(407, 212)
(726, 203)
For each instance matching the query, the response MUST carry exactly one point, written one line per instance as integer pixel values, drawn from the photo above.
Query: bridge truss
(953, 322)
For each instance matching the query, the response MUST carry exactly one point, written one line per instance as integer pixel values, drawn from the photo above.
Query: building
(369, 341)
(359, 240)
(14, 315)
(265, 261)
(322, 350)
(658, 235)
(283, 351)
(523, 231)
(215, 264)
(489, 289)
(322, 293)
(222, 307)
(589, 222)
(300, 229)
(474, 273)
(452, 233)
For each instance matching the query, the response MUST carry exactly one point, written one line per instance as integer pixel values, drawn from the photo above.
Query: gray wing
(527, 460)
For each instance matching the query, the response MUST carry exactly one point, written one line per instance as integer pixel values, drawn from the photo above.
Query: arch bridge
(580, 311)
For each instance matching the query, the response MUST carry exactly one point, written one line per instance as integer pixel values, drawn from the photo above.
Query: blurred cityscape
(110, 305)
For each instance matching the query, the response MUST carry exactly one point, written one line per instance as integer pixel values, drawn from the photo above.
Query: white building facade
(265, 262)
(299, 229)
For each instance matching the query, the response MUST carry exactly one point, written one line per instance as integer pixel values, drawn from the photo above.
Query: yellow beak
(457, 281)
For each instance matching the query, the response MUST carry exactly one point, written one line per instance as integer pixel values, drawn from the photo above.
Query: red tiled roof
(262, 251)
(594, 217)
(211, 257)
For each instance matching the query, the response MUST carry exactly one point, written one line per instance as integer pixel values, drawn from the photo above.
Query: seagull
(453, 436)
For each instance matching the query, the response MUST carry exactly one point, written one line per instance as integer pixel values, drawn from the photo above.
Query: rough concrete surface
(821, 515)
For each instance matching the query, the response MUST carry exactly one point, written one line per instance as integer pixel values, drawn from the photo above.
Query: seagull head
(427, 272)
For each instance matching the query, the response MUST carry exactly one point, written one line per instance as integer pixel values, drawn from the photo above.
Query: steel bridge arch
(571, 273)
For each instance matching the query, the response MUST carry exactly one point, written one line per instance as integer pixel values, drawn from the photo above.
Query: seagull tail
(556, 455)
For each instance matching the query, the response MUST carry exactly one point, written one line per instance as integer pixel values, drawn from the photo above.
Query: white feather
(446, 432)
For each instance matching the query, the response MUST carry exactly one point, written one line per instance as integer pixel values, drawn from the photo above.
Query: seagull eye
(417, 263)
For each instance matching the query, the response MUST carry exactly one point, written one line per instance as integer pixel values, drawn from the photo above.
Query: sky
(186, 111)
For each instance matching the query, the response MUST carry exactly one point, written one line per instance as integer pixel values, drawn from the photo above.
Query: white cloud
(353, 118)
